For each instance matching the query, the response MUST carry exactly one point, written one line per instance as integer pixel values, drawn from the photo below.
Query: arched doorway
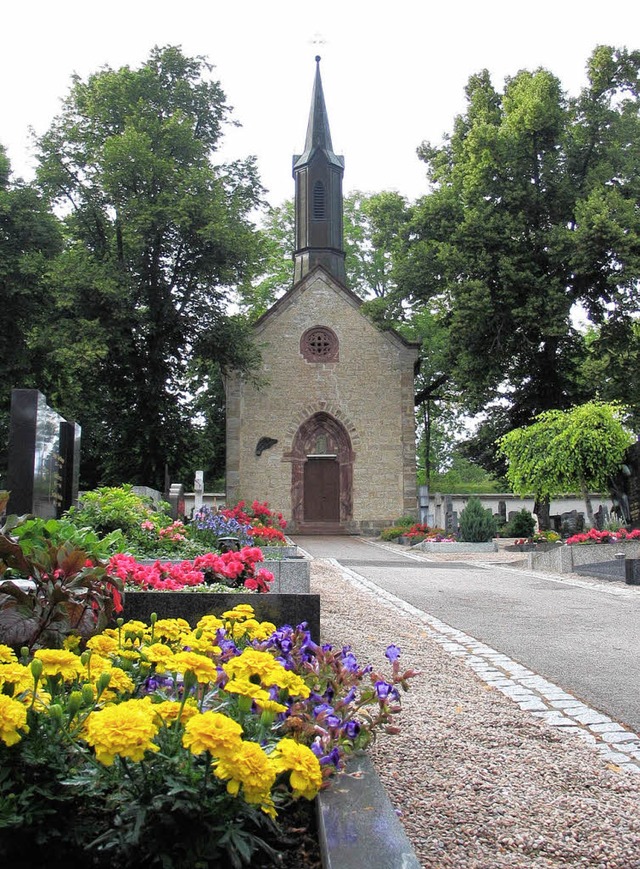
(321, 475)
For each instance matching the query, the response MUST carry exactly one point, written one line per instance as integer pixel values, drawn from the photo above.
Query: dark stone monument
(176, 499)
(43, 457)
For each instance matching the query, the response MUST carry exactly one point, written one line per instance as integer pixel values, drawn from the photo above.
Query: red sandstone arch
(323, 441)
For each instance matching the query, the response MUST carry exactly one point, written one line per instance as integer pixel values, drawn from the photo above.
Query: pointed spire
(318, 199)
(318, 133)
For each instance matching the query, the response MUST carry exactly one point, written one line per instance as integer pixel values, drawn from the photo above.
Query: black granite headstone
(43, 457)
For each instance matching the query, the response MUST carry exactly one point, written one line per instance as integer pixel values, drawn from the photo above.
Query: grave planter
(280, 609)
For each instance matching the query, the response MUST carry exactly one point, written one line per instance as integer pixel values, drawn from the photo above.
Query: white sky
(393, 73)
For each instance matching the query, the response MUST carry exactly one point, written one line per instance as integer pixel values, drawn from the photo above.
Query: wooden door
(321, 490)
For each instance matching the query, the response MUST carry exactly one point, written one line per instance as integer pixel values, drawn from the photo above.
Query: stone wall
(369, 390)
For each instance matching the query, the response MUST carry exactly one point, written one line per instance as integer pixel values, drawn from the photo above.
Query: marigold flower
(13, 717)
(102, 644)
(158, 653)
(17, 675)
(7, 655)
(125, 730)
(252, 769)
(212, 732)
(306, 774)
(210, 623)
(169, 710)
(59, 662)
(171, 629)
(202, 667)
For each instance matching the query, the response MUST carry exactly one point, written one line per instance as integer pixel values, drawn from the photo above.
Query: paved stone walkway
(618, 744)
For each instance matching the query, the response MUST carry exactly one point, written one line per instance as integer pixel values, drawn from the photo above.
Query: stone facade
(356, 412)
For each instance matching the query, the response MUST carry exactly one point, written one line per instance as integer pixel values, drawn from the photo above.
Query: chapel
(327, 435)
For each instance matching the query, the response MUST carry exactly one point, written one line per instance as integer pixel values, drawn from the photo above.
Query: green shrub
(404, 522)
(477, 524)
(117, 507)
(393, 532)
(521, 525)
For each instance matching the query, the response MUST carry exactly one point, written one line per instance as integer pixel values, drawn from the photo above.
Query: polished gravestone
(43, 457)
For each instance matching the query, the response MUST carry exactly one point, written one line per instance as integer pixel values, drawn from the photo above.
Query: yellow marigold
(13, 717)
(252, 769)
(17, 675)
(240, 611)
(95, 665)
(169, 710)
(212, 732)
(7, 655)
(59, 662)
(263, 631)
(135, 628)
(293, 683)
(245, 688)
(129, 654)
(252, 662)
(124, 730)
(203, 643)
(171, 629)
(158, 653)
(306, 774)
(103, 644)
(119, 683)
(72, 642)
(210, 624)
(202, 667)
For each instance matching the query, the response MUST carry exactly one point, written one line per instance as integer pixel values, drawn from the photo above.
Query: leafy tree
(373, 224)
(156, 235)
(30, 238)
(532, 214)
(581, 448)
(372, 227)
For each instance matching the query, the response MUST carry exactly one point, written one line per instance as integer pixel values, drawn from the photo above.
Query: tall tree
(157, 234)
(532, 215)
(30, 238)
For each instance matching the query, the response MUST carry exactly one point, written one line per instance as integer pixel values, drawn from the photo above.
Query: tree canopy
(562, 450)
(532, 217)
(156, 235)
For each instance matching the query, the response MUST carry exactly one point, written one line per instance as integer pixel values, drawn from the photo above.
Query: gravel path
(478, 783)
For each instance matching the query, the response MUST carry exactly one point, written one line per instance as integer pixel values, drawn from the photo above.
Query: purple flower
(392, 653)
(349, 660)
(333, 757)
(323, 707)
(332, 721)
(351, 729)
(386, 691)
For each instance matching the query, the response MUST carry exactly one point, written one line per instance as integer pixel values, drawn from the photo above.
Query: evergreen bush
(521, 525)
(477, 524)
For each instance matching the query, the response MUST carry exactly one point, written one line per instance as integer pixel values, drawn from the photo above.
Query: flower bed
(234, 569)
(165, 745)
(593, 536)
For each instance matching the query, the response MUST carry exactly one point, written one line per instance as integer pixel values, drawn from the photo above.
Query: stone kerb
(443, 548)
(565, 558)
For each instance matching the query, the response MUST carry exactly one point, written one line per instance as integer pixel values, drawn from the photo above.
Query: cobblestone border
(533, 693)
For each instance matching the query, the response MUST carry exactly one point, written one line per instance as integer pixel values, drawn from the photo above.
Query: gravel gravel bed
(477, 782)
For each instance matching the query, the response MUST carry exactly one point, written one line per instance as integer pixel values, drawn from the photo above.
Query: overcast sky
(393, 72)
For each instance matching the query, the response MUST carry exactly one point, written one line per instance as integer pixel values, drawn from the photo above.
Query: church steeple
(318, 195)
